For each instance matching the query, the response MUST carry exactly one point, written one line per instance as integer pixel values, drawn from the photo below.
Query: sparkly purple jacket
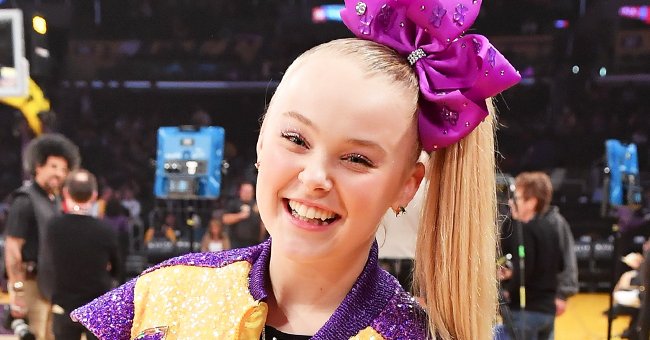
(221, 296)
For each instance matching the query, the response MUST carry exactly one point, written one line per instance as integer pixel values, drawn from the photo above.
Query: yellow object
(217, 305)
(30, 105)
(367, 333)
(39, 24)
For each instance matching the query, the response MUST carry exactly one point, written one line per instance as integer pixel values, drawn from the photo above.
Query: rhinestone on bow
(491, 56)
(361, 8)
(477, 45)
(364, 24)
(386, 16)
(449, 116)
(416, 55)
(459, 14)
(438, 14)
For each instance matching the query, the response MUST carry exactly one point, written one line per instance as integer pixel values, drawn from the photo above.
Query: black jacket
(543, 261)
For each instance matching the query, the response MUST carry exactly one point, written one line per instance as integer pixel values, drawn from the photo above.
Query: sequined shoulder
(402, 318)
(109, 316)
(212, 259)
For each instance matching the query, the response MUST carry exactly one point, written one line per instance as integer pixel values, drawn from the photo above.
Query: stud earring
(257, 165)
(399, 211)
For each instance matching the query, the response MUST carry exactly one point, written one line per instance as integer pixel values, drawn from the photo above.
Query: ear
(37, 169)
(258, 146)
(69, 202)
(531, 203)
(410, 186)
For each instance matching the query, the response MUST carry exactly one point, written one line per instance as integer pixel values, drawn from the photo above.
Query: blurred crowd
(557, 124)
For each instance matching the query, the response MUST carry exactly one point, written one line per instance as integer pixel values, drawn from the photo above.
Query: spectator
(84, 253)
(166, 230)
(48, 159)
(534, 313)
(242, 217)
(215, 238)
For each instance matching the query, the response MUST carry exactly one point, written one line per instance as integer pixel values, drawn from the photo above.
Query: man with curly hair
(48, 159)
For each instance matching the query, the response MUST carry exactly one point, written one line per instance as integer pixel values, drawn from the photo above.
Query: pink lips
(309, 224)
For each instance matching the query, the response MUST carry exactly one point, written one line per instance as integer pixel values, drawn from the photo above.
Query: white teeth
(305, 212)
(311, 212)
(302, 210)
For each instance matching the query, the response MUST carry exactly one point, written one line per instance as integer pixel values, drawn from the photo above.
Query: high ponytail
(456, 250)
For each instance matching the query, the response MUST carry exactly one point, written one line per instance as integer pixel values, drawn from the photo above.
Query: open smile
(309, 214)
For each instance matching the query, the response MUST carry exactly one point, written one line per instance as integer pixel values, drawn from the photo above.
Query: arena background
(118, 70)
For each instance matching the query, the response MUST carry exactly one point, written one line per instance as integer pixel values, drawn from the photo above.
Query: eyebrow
(299, 117)
(366, 143)
(355, 141)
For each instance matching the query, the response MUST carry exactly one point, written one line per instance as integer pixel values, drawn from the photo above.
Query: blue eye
(295, 138)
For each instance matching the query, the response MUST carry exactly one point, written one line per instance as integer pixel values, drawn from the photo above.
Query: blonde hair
(456, 248)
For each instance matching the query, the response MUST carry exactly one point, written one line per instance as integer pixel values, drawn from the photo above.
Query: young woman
(215, 239)
(338, 147)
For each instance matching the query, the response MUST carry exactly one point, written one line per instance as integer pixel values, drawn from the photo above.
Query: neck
(51, 193)
(304, 308)
(80, 208)
(528, 217)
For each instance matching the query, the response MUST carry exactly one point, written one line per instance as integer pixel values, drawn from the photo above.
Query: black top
(81, 248)
(543, 262)
(22, 221)
(247, 231)
(271, 333)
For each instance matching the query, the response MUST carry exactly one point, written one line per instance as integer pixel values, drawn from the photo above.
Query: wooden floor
(583, 320)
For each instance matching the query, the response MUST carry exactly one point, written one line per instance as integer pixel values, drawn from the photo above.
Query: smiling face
(51, 174)
(337, 149)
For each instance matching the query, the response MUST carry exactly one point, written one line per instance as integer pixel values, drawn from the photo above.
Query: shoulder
(20, 201)
(233, 204)
(20, 215)
(401, 318)
(103, 225)
(111, 316)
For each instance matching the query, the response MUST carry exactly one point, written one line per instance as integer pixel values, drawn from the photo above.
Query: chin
(301, 249)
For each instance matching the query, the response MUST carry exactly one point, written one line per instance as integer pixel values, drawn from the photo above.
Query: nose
(315, 176)
(61, 172)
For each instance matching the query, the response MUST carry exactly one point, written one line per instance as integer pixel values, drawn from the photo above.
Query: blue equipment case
(188, 162)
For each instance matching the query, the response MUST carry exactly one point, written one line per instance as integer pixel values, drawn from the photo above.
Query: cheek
(367, 198)
(277, 171)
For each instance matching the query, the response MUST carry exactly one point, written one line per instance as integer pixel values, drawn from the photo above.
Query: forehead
(56, 160)
(335, 88)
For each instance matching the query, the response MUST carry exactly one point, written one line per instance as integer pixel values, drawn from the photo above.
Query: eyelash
(360, 159)
(354, 158)
(295, 138)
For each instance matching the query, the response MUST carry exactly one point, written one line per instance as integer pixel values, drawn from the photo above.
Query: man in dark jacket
(48, 159)
(567, 279)
(537, 258)
(84, 253)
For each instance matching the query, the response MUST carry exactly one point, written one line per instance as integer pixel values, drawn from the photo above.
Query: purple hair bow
(456, 73)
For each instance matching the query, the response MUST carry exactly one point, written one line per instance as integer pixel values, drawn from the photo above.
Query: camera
(20, 327)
